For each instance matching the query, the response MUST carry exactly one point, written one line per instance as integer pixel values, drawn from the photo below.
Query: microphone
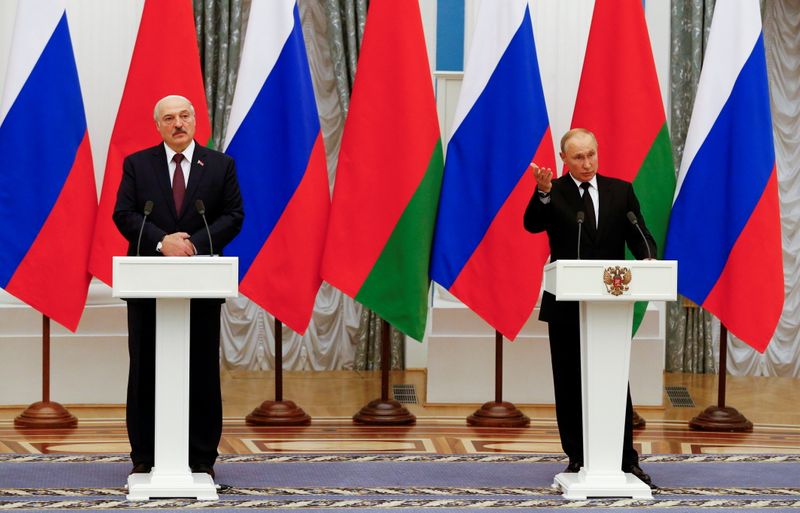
(635, 222)
(148, 207)
(201, 209)
(579, 218)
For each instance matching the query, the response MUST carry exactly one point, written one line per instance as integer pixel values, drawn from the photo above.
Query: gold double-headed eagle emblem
(616, 279)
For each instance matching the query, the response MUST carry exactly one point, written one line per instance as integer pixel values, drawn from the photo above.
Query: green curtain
(689, 345)
(219, 25)
(346, 20)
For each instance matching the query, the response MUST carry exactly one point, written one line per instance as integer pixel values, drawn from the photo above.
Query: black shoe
(141, 468)
(573, 467)
(203, 468)
(637, 471)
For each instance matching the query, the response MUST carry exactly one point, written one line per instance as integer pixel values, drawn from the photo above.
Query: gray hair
(572, 133)
(167, 98)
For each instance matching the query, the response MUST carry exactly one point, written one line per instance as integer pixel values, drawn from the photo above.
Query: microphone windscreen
(580, 216)
(632, 218)
(201, 208)
(148, 207)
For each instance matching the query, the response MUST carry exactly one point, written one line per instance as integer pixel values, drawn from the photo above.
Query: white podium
(606, 290)
(173, 281)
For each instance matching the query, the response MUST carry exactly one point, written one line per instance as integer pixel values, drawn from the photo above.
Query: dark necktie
(588, 206)
(178, 183)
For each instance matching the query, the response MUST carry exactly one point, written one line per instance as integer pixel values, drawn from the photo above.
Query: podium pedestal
(173, 281)
(606, 290)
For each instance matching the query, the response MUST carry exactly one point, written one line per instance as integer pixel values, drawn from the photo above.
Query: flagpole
(278, 412)
(721, 417)
(498, 413)
(384, 411)
(46, 414)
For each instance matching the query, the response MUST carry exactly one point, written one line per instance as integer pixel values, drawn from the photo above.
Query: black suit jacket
(614, 230)
(145, 176)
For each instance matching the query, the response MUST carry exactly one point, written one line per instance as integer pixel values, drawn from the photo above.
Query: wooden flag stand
(45, 414)
(384, 411)
(498, 413)
(721, 417)
(278, 412)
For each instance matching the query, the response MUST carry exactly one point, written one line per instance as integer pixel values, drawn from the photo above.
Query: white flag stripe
(735, 28)
(494, 31)
(262, 47)
(36, 20)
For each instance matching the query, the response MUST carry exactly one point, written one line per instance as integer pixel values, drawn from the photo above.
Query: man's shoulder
(211, 155)
(612, 182)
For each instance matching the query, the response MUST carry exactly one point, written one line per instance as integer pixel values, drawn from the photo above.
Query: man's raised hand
(544, 177)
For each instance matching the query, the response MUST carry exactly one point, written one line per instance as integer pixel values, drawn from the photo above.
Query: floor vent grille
(404, 393)
(679, 397)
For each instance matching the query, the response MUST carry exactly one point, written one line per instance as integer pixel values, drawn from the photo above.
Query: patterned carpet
(402, 482)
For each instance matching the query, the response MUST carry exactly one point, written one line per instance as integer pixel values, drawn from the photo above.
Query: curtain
(219, 38)
(689, 344)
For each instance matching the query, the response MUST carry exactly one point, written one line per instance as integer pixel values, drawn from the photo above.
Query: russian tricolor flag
(481, 252)
(48, 199)
(274, 135)
(725, 224)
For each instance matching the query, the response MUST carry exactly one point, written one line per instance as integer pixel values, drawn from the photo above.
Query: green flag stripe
(655, 187)
(397, 286)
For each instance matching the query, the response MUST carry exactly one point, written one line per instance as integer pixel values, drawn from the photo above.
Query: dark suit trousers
(205, 398)
(565, 356)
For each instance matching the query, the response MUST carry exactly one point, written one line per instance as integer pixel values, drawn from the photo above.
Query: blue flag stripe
(724, 182)
(272, 146)
(38, 140)
(485, 158)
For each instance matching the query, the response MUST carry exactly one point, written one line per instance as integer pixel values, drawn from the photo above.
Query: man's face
(176, 123)
(580, 157)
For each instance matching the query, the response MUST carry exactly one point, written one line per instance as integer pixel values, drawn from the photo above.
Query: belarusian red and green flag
(389, 174)
(620, 101)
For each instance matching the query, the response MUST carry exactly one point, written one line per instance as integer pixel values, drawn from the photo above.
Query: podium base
(278, 413)
(384, 413)
(494, 414)
(715, 418)
(143, 487)
(45, 415)
(583, 485)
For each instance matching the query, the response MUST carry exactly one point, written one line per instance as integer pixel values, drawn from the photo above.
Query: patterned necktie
(588, 206)
(178, 183)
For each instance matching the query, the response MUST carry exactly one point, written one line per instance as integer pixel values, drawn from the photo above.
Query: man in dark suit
(174, 175)
(605, 203)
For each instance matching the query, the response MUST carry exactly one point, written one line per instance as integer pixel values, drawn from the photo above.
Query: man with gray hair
(603, 204)
(171, 177)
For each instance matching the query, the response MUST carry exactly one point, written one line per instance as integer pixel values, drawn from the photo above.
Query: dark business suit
(614, 231)
(213, 179)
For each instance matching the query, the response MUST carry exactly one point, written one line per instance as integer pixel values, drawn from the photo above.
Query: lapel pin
(200, 162)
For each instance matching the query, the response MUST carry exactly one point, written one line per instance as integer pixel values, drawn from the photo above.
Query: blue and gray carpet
(403, 483)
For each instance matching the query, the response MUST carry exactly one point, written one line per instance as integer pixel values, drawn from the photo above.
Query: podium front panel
(176, 277)
(588, 280)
